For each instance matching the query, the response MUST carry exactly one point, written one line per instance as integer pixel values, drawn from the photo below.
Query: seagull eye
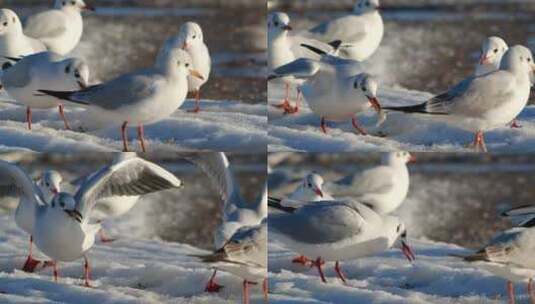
(73, 3)
(47, 184)
(62, 204)
(194, 36)
(495, 50)
(5, 23)
(309, 185)
(276, 23)
(64, 3)
(67, 69)
(364, 89)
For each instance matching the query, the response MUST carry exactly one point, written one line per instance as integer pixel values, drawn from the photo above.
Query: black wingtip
(419, 108)
(313, 49)
(62, 95)
(335, 44)
(276, 203)
(6, 65)
(16, 59)
(272, 76)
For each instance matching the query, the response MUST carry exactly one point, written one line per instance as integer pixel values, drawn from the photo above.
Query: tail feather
(276, 203)
(63, 95)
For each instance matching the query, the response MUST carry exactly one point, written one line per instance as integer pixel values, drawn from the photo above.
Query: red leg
(361, 130)
(123, 135)
(319, 263)
(62, 114)
(339, 272)
(323, 126)
(301, 260)
(265, 289)
(197, 102)
(140, 135)
(530, 291)
(87, 272)
(29, 117)
(515, 125)
(212, 286)
(511, 292)
(104, 238)
(30, 264)
(55, 271)
(480, 142)
(245, 292)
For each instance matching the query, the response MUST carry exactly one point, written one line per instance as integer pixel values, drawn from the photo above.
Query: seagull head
(9, 22)
(278, 24)
(367, 85)
(77, 72)
(67, 204)
(190, 35)
(50, 182)
(178, 62)
(492, 51)
(519, 60)
(366, 6)
(314, 183)
(398, 157)
(401, 237)
(78, 5)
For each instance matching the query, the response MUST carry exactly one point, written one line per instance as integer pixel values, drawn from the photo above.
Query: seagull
(190, 38)
(334, 89)
(336, 230)
(382, 188)
(62, 229)
(509, 255)
(141, 97)
(244, 255)
(310, 190)
(44, 71)
(13, 42)
(60, 28)
(48, 182)
(361, 32)
(237, 213)
(283, 49)
(482, 103)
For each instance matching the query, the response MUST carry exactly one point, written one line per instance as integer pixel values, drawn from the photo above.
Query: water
(454, 198)
(126, 35)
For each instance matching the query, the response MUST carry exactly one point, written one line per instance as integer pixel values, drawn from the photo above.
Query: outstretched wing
(132, 176)
(14, 178)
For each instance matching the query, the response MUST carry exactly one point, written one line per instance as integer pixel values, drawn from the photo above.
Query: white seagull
(48, 182)
(361, 32)
(510, 256)
(334, 88)
(142, 97)
(382, 188)
(284, 48)
(62, 229)
(237, 213)
(244, 255)
(59, 28)
(190, 38)
(482, 103)
(336, 230)
(44, 71)
(310, 190)
(13, 42)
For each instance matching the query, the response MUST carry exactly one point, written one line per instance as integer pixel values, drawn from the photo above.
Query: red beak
(89, 8)
(287, 28)
(483, 59)
(407, 251)
(55, 191)
(412, 159)
(318, 192)
(375, 103)
(185, 46)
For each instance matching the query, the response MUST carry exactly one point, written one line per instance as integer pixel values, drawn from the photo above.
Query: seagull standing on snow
(44, 71)
(283, 49)
(334, 89)
(190, 38)
(361, 32)
(49, 182)
(510, 255)
(60, 28)
(62, 229)
(486, 102)
(237, 213)
(244, 255)
(13, 42)
(336, 230)
(142, 97)
(382, 188)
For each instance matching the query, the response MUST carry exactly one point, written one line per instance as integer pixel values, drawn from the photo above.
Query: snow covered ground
(301, 132)
(220, 126)
(435, 277)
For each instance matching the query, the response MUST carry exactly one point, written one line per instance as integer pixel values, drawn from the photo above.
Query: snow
(301, 132)
(221, 126)
(435, 277)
